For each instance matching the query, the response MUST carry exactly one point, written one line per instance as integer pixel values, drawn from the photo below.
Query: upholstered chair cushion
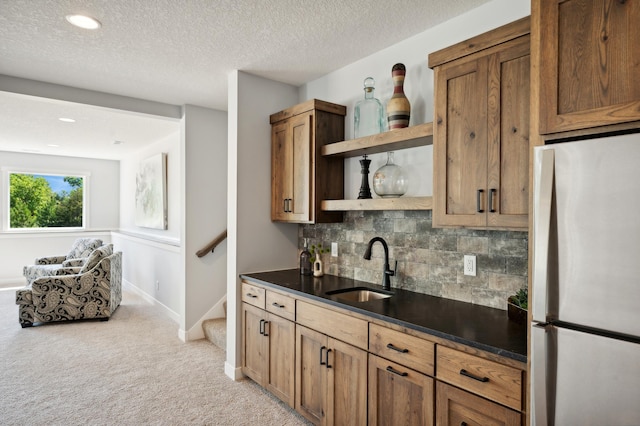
(96, 256)
(83, 247)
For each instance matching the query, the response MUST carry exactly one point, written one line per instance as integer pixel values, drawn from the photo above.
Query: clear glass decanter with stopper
(369, 113)
(390, 180)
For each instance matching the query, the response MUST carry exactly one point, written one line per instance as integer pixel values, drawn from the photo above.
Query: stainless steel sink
(359, 294)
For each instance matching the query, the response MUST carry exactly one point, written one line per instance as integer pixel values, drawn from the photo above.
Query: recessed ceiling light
(82, 21)
(53, 145)
(67, 120)
(118, 142)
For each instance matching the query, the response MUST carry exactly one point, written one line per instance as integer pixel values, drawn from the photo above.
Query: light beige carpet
(130, 370)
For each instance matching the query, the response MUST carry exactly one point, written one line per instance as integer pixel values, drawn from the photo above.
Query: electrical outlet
(334, 249)
(469, 265)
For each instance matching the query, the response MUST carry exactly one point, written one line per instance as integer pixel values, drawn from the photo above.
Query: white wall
(204, 149)
(162, 264)
(345, 85)
(21, 248)
(128, 169)
(151, 260)
(255, 243)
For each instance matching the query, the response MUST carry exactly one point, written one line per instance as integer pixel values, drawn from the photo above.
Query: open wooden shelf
(409, 137)
(400, 203)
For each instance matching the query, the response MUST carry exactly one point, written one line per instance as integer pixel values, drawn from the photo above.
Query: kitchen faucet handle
(392, 272)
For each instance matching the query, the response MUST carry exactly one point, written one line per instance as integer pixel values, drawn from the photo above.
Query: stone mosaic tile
(430, 260)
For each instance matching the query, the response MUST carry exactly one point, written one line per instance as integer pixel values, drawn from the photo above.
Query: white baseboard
(152, 300)
(235, 373)
(196, 332)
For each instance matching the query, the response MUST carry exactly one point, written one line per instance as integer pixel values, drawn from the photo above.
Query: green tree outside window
(34, 204)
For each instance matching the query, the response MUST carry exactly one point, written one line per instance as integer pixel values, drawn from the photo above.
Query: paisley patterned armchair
(95, 291)
(64, 264)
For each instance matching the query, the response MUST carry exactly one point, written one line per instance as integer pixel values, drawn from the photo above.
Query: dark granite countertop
(477, 326)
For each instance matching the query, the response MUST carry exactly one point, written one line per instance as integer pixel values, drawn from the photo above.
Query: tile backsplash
(430, 260)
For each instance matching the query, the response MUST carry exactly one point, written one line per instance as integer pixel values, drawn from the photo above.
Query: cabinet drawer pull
(321, 359)
(390, 369)
(478, 201)
(277, 305)
(492, 194)
(253, 296)
(465, 373)
(327, 358)
(397, 349)
(262, 327)
(264, 330)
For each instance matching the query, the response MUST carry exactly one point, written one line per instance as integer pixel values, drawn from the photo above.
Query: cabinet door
(346, 385)
(456, 407)
(281, 358)
(588, 60)
(460, 143)
(281, 164)
(291, 189)
(398, 395)
(508, 136)
(311, 376)
(302, 188)
(254, 343)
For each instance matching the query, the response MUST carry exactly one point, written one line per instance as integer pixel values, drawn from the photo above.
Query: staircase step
(215, 330)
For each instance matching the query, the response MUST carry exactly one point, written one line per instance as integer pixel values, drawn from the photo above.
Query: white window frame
(5, 204)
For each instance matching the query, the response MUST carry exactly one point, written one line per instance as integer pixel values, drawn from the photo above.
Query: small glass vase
(390, 180)
(368, 118)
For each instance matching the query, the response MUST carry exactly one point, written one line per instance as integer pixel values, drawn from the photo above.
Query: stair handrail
(212, 245)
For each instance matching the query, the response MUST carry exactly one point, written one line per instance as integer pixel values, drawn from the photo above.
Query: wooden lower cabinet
(457, 407)
(399, 395)
(268, 351)
(331, 380)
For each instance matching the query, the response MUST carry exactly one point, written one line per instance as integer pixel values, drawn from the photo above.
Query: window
(45, 201)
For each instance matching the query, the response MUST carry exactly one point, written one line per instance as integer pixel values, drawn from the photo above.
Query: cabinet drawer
(253, 295)
(335, 324)
(490, 379)
(410, 351)
(281, 305)
(457, 407)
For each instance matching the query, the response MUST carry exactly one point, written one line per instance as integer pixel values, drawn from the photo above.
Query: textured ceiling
(181, 51)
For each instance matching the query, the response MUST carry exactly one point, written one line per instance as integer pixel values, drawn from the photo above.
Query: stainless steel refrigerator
(585, 333)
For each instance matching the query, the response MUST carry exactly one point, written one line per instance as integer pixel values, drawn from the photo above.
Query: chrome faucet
(387, 273)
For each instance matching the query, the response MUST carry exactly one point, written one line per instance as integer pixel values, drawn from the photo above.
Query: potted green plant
(517, 305)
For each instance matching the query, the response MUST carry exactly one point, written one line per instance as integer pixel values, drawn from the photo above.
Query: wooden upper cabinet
(300, 177)
(587, 57)
(481, 130)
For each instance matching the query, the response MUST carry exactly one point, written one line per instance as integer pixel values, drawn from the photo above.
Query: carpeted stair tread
(215, 330)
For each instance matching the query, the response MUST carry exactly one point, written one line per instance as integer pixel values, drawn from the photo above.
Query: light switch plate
(334, 249)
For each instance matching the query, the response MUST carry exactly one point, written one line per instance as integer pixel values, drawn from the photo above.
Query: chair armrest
(50, 260)
(69, 270)
(74, 262)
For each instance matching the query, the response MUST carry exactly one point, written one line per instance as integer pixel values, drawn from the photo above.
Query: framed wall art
(151, 192)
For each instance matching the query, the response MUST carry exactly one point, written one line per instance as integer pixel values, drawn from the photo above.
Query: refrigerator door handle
(539, 411)
(543, 192)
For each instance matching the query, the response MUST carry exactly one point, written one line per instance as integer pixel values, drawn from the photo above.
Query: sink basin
(359, 294)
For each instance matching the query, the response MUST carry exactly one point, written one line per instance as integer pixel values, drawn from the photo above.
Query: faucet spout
(387, 272)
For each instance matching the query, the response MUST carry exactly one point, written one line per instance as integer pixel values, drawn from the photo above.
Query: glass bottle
(305, 259)
(369, 113)
(390, 180)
